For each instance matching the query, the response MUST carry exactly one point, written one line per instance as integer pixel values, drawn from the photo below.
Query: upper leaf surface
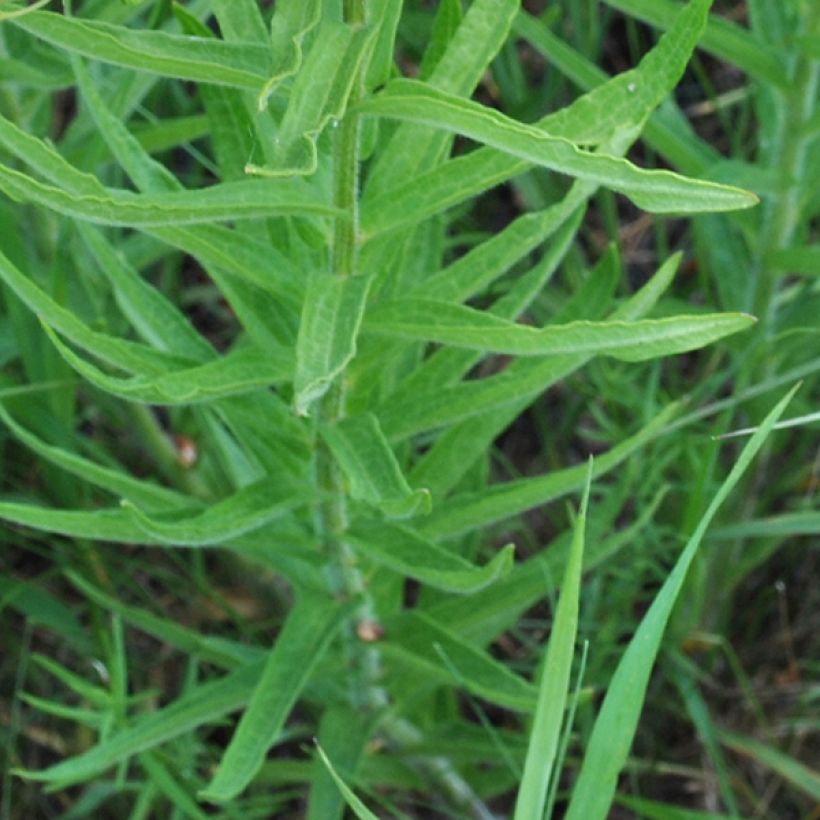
(244, 65)
(652, 190)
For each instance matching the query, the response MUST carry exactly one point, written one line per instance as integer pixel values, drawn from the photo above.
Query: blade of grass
(553, 688)
(618, 718)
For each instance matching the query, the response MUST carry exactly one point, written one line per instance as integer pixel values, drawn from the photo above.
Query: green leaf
(118, 352)
(618, 718)
(446, 23)
(242, 65)
(164, 781)
(115, 481)
(475, 43)
(434, 321)
(797, 259)
(804, 522)
(480, 401)
(653, 190)
(371, 467)
(796, 773)
(410, 554)
(471, 511)
(631, 95)
(227, 201)
(247, 509)
(319, 96)
(113, 525)
(438, 655)
(203, 704)
(292, 21)
(553, 688)
(331, 318)
(359, 809)
(726, 40)
(214, 649)
(240, 371)
(345, 736)
(303, 640)
(153, 316)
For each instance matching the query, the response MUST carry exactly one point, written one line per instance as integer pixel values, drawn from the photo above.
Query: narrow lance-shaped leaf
(553, 688)
(359, 809)
(319, 96)
(203, 704)
(479, 330)
(303, 640)
(245, 510)
(227, 201)
(409, 553)
(437, 654)
(223, 652)
(331, 318)
(468, 512)
(475, 43)
(291, 21)
(121, 353)
(727, 41)
(653, 190)
(620, 103)
(371, 467)
(239, 371)
(244, 65)
(512, 389)
(152, 496)
(617, 721)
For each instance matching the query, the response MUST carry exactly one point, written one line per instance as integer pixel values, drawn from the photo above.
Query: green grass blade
(243, 65)
(331, 318)
(553, 688)
(654, 810)
(409, 553)
(203, 704)
(799, 775)
(468, 512)
(371, 467)
(165, 783)
(358, 808)
(426, 652)
(345, 736)
(653, 190)
(304, 638)
(213, 649)
(618, 718)
(806, 522)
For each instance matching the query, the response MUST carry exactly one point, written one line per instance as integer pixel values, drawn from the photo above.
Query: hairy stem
(343, 574)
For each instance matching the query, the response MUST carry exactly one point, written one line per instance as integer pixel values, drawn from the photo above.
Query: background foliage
(312, 314)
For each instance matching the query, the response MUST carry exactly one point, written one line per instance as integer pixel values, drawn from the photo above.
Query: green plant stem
(344, 577)
(162, 451)
(782, 214)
